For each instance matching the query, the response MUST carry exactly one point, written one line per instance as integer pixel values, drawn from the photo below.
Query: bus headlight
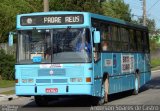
(24, 80)
(30, 80)
(27, 80)
(75, 79)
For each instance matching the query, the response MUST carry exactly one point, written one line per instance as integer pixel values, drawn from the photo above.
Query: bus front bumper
(53, 90)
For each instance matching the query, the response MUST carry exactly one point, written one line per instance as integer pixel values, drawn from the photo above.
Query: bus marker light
(24, 80)
(76, 79)
(88, 79)
(79, 79)
(30, 80)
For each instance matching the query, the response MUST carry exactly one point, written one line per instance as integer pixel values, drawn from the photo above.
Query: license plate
(51, 90)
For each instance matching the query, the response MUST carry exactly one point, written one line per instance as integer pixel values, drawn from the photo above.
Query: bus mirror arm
(10, 38)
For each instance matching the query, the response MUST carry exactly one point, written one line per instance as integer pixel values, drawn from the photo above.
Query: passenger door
(97, 70)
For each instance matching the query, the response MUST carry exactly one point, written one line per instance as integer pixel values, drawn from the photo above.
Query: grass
(8, 92)
(6, 83)
(155, 62)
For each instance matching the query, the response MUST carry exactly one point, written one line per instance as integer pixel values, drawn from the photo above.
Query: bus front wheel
(41, 100)
(105, 90)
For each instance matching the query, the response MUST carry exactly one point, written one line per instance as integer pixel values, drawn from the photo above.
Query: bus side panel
(121, 79)
(107, 63)
(112, 85)
(147, 68)
(117, 77)
(121, 83)
(112, 66)
(128, 74)
(130, 82)
(141, 64)
(142, 79)
(147, 76)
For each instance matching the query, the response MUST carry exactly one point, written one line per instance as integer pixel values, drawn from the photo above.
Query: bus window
(105, 33)
(116, 41)
(106, 38)
(132, 41)
(139, 40)
(145, 44)
(124, 39)
(32, 44)
(71, 45)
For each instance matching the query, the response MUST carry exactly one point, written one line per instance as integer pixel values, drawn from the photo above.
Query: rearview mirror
(10, 39)
(96, 36)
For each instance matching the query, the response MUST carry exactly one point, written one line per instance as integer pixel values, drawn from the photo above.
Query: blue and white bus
(61, 54)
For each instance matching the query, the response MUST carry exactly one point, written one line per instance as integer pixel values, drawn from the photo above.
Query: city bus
(79, 54)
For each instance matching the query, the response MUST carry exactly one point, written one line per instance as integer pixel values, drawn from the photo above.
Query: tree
(8, 11)
(117, 9)
(150, 23)
(10, 8)
(153, 33)
(6, 66)
(76, 5)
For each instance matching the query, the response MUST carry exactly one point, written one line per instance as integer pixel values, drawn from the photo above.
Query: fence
(8, 49)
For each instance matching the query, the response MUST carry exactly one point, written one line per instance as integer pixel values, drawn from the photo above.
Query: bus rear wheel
(136, 83)
(41, 100)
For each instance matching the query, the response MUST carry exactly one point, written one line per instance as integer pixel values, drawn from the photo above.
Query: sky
(152, 6)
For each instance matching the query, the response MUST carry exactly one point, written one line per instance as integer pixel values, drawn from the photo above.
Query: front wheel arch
(105, 84)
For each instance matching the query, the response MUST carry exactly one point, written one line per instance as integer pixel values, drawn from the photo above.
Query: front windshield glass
(54, 46)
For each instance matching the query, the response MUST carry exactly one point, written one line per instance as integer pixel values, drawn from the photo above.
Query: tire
(136, 84)
(104, 92)
(41, 100)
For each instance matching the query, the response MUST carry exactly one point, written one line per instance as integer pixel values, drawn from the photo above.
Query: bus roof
(117, 21)
(92, 15)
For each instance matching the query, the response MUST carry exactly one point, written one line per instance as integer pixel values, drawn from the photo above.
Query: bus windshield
(68, 45)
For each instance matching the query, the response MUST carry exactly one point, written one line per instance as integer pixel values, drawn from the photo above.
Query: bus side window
(105, 38)
(139, 41)
(132, 41)
(124, 39)
(145, 43)
(116, 39)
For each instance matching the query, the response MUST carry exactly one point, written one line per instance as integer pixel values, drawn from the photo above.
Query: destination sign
(52, 19)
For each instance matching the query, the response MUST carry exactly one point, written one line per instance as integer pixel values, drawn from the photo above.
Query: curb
(7, 97)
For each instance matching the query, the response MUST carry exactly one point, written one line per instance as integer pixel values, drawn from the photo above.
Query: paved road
(149, 95)
(6, 89)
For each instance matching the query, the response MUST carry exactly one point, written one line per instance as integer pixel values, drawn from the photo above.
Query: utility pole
(144, 12)
(46, 5)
